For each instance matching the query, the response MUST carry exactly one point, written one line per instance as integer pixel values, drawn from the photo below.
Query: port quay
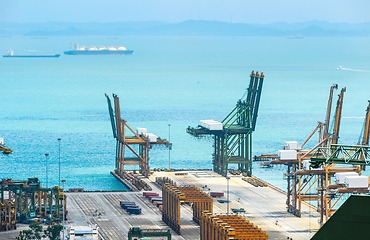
(227, 202)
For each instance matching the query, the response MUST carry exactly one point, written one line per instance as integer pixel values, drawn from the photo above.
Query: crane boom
(366, 133)
(338, 115)
(111, 114)
(328, 111)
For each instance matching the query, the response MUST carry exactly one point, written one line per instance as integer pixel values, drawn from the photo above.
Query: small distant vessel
(340, 67)
(3, 148)
(294, 37)
(92, 50)
(11, 54)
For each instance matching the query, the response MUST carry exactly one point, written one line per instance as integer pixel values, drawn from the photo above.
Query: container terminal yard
(227, 202)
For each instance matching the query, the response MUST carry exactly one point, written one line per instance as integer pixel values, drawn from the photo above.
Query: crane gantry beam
(343, 154)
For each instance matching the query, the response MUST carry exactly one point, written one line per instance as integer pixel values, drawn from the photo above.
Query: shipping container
(340, 176)
(130, 206)
(141, 131)
(151, 137)
(291, 145)
(126, 203)
(134, 210)
(156, 200)
(151, 194)
(356, 182)
(287, 154)
(215, 126)
(216, 194)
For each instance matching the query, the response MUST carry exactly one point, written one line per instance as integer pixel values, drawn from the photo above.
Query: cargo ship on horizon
(10, 53)
(92, 50)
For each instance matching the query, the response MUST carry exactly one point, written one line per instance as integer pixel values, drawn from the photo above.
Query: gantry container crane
(233, 140)
(141, 141)
(357, 156)
(24, 200)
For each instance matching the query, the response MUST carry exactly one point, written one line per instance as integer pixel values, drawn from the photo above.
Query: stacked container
(130, 207)
(356, 182)
(154, 198)
(211, 125)
(141, 131)
(340, 176)
(287, 154)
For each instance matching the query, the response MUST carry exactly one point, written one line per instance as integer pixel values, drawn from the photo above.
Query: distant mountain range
(187, 28)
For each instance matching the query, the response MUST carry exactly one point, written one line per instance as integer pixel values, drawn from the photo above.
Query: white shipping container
(215, 126)
(291, 145)
(305, 165)
(152, 137)
(142, 131)
(204, 123)
(287, 154)
(340, 176)
(356, 182)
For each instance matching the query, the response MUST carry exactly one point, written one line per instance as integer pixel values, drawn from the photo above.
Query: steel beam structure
(233, 144)
(225, 227)
(343, 154)
(30, 200)
(173, 196)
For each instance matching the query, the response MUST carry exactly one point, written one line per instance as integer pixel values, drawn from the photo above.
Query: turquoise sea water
(168, 80)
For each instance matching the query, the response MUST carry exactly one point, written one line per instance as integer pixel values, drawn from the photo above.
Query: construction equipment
(140, 140)
(305, 183)
(29, 201)
(233, 136)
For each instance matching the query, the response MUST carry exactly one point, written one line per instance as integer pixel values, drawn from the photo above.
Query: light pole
(64, 209)
(59, 159)
(46, 160)
(169, 149)
(228, 178)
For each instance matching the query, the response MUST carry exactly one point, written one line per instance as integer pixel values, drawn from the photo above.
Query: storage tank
(340, 176)
(287, 154)
(356, 182)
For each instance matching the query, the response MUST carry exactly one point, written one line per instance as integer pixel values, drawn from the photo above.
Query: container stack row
(154, 198)
(130, 207)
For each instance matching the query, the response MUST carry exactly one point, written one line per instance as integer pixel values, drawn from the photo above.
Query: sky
(235, 11)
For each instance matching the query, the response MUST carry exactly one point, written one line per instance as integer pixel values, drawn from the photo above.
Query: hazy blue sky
(243, 11)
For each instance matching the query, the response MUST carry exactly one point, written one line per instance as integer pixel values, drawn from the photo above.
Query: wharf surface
(264, 207)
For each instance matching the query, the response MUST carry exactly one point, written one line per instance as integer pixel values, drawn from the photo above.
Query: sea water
(168, 80)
